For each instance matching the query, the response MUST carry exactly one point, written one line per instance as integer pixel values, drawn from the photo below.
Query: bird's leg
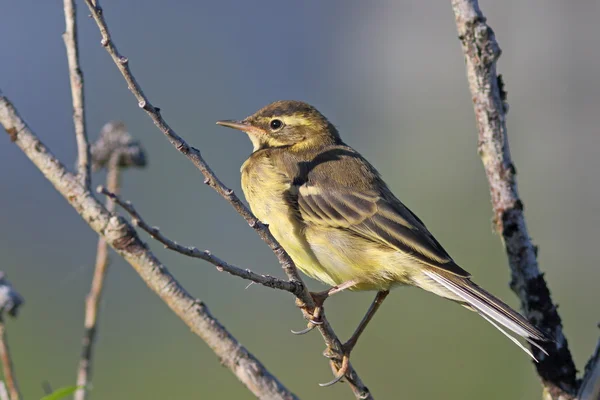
(349, 345)
(314, 317)
(320, 297)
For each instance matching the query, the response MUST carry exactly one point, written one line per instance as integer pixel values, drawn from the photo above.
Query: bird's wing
(373, 213)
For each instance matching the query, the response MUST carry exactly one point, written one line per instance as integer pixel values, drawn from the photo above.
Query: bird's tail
(492, 309)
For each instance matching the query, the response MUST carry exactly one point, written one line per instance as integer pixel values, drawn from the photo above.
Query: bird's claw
(342, 358)
(303, 331)
(311, 325)
(341, 372)
(314, 317)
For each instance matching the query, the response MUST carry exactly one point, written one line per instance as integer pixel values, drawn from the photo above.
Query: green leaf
(61, 393)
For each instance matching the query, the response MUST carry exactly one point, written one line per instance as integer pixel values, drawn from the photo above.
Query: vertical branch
(76, 79)
(481, 51)
(116, 145)
(92, 302)
(7, 365)
(10, 301)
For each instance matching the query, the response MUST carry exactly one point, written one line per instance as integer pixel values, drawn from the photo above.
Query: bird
(332, 212)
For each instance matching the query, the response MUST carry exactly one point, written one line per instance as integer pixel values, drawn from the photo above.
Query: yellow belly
(330, 255)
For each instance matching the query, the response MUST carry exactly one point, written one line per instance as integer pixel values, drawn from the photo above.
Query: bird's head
(287, 123)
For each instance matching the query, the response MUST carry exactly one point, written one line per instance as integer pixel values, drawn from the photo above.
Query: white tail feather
(514, 340)
(494, 316)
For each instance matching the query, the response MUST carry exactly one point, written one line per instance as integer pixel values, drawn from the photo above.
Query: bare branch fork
(557, 370)
(193, 154)
(116, 150)
(121, 236)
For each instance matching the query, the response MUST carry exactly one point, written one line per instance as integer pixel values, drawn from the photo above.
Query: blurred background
(391, 76)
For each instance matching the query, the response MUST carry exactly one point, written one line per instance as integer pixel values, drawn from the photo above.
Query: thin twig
(193, 154)
(115, 149)
(481, 52)
(121, 236)
(7, 365)
(154, 232)
(92, 302)
(76, 79)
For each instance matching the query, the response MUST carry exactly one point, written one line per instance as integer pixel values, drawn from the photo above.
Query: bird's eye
(276, 124)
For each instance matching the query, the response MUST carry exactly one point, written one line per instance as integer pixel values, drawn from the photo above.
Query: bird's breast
(266, 190)
(268, 194)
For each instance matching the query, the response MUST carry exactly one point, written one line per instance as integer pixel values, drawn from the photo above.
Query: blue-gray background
(390, 75)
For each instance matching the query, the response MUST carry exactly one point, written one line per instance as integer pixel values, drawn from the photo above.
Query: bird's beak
(241, 126)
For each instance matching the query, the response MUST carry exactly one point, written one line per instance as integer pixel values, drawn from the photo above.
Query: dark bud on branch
(10, 300)
(114, 137)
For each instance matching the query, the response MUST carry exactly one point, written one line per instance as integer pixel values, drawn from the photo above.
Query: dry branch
(481, 51)
(7, 365)
(115, 141)
(115, 149)
(121, 236)
(10, 301)
(193, 154)
(76, 79)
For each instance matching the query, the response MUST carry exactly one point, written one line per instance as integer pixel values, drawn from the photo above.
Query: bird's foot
(312, 315)
(340, 361)
(343, 360)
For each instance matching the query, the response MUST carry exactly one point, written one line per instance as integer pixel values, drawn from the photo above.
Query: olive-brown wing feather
(383, 220)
